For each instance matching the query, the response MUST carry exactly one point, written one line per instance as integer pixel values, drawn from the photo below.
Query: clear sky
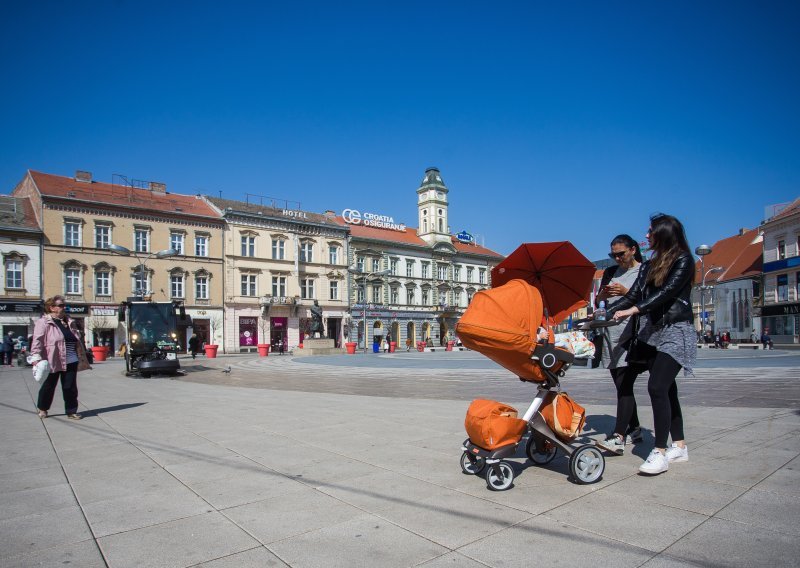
(548, 120)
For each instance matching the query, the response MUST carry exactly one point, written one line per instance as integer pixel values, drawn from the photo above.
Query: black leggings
(627, 417)
(69, 388)
(667, 417)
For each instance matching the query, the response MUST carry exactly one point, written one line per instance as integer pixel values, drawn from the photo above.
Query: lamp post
(366, 276)
(702, 251)
(703, 286)
(124, 251)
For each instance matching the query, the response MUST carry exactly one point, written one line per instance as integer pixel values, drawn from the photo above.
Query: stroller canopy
(501, 323)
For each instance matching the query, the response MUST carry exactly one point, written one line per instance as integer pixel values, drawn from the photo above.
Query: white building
(780, 313)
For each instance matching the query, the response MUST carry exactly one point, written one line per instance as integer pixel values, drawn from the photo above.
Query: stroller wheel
(540, 450)
(472, 465)
(499, 476)
(586, 464)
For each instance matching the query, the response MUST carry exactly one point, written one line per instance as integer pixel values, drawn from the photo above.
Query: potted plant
(214, 322)
(263, 327)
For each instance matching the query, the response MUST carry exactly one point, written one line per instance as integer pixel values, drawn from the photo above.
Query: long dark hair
(669, 241)
(628, 241)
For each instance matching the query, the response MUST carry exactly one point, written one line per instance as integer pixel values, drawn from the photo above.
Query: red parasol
(560, 272)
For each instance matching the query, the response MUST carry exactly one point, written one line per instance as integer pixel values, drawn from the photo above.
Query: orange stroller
(503, 323)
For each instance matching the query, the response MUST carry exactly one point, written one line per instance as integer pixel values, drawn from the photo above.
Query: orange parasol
(558, 270)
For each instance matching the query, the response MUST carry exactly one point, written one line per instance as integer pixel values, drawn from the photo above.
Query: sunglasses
(59, 305)
(616, 255)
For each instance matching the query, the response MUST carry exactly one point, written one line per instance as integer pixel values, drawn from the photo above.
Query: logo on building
(355, 217)
(465, 237)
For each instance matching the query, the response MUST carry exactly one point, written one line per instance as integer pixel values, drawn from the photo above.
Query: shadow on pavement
(98, 411)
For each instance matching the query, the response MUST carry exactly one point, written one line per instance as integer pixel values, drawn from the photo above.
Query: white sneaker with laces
(655, 463)
(676, 454)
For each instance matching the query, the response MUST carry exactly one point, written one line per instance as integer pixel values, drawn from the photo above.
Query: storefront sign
(295, 214)
(77, 309)
(783, 310)
(20, 307)
(248, 331)
(355, 217)
(104, 311)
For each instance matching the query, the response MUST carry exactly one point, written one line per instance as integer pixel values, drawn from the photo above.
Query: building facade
(780, 311)
(278, 261)
(412, 283)
(20, 247)
(85, 221)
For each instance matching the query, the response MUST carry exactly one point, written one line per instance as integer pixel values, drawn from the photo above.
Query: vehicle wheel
(472, 465)
(499, 476)
(586, 464)
(540, 450)
(145, 375)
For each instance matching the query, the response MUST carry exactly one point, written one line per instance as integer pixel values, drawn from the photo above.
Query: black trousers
(69, 388)
(627, 417)
(667, 416)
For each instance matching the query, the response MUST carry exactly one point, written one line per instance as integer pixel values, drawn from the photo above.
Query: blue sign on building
(465, 237)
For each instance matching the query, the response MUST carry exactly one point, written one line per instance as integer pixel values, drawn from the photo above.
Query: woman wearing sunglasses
(57, 340)
(661, 299)
(615, 283)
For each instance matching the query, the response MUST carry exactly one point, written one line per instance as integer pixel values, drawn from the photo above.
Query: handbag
(639, 352)
(564, 416)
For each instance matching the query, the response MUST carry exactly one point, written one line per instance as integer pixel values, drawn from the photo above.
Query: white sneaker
(655, 463)
(676, 454)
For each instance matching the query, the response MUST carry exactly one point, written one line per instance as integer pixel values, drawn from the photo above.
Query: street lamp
(124, 251)
(702, 251)
(703, 287)
(366, 276)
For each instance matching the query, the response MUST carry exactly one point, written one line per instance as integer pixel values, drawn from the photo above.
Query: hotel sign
(355, 217)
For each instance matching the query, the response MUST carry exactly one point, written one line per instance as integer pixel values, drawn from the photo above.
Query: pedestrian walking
(57, 340)
(194, 345)
(409, 344)
(8, 348)
(661, 296)
(615, 283)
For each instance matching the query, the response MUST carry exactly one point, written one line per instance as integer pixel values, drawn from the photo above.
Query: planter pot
(392, 346)
(99, 353)
(449, 345)
(263, 349)
(351, 347)
(211, 351)
(420, 346)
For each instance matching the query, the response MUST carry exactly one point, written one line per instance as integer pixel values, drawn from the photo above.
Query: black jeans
(627, 417)
(69, 388)
(667, 417)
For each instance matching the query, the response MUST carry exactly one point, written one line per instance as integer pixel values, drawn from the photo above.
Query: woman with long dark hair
(614, 284)
(666, 336)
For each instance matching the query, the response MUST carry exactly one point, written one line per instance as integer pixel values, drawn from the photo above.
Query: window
(279, 286)
(72, 281)
(456, 273)
(457, 297)
(13, 274)
(469, 297)
(248, 245)
(201, 245)
(176, 242)
(781, 250)
(360, 263)
(426, 266)
(410, 268)
(334, 290)
(360, 295)
(425, 224)
(394, 294)
(102, 283)
(306, 252)
(425, 296)
(376, 294)
(102, 236)
(72, 234)
(176, 286)
(441, 225)
(333, 255)
(393, 266)
(201, 287)
(140, 284)
(482, 275)
(248, 284)
(410, 296)
(376, 265)
(797, 286)
(783, 287)
(141, 240)
(441, 271)
(307, 288)
(278, 249)
(470, 271)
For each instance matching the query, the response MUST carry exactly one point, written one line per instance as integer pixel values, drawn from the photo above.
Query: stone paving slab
(173, 473)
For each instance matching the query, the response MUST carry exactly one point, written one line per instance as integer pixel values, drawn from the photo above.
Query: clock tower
(433, 225)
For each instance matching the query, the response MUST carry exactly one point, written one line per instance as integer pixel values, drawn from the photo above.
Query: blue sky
(548, 120)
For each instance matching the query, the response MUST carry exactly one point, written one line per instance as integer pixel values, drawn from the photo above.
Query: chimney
(158, 187)
(82, 176)
(329, 214)
(742, 231)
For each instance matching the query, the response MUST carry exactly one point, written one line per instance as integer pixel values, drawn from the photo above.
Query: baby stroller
(502, 324)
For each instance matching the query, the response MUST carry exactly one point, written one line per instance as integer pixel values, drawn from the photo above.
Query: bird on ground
(227, 369)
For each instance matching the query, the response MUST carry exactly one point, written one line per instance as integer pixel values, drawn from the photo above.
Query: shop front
(19, 317)
(103, 327)
(80, 313)
(782, 322)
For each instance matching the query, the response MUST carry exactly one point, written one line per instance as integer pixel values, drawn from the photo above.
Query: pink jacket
(48, 343)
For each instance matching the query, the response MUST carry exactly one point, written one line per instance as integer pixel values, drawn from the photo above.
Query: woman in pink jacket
(57, 339)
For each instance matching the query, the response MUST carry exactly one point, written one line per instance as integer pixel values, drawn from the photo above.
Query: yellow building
(85, 221)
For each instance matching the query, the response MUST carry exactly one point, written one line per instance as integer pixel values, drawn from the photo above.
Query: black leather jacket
(666, 304)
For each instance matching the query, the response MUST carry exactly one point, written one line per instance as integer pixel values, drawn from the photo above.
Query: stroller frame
(586, 462)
